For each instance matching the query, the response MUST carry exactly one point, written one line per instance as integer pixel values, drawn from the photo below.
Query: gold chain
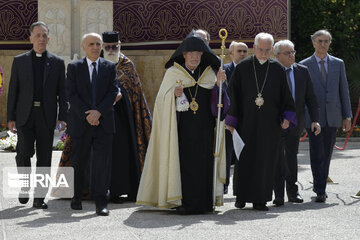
(194, 106)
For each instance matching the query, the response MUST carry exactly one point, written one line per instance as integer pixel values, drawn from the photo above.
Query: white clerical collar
(261, 61)
(39, 54)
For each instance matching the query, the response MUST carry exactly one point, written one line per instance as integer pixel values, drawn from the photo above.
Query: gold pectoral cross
(194, 106)
(259, 101)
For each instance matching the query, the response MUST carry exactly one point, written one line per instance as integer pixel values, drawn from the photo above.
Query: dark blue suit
(229, 68)
(334, 101)
(85, 137)
(287, 168)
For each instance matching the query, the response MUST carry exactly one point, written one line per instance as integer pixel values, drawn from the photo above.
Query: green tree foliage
(342, 19)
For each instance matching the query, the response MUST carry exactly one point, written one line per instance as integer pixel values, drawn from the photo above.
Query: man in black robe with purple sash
(261, 106)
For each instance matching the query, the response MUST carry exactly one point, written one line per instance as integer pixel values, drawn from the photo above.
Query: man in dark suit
(36, 90)
(238, 51)
(92, 85)
(302, 90)
(331, 89)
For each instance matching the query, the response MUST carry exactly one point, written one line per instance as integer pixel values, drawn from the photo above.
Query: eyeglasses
(320, 41)
(244, 51)
(267, 51)
(287, 53)
(195, 54)
(113, 47)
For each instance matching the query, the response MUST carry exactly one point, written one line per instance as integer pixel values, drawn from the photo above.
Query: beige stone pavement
(338, 218)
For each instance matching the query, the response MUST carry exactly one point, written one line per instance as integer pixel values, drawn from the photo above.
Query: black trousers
(286, 170)
(230, 155)
(94, 139)
(35, 130)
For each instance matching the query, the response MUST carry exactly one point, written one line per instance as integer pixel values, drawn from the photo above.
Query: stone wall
(68, 20)
(6, 59)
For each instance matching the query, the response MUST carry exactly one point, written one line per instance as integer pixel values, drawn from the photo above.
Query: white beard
(113, 57)
(262, 61)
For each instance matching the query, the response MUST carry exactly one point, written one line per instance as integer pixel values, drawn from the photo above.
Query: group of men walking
(267, 101)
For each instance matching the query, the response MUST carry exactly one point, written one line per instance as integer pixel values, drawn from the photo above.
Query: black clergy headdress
(193, 42)
(110, 37)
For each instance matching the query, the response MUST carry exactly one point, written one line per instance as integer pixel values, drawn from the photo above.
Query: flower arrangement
(9, 143)
(60, 142)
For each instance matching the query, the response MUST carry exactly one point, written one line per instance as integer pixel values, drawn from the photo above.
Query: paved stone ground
(338, 218)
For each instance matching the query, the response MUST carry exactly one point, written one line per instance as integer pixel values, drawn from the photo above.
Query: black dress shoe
(23, 198)
(39, 204)
(131, 198)
(296, 199)
(226, 189)
(240, 204)
(117, 199)
(76, 204)
(260, 206)
(278, 202)
(102, 211)
(320, 198)
(182, 211)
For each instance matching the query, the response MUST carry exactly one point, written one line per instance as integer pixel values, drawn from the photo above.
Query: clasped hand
(178, 91)
(221, 76)
(93, 117)
(285, 124)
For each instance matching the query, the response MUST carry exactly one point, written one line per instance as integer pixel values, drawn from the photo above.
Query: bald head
(204, 35)
(91, 44)
(238, 51)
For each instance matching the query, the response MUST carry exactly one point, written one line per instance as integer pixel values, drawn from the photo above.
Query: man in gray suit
(331, 88)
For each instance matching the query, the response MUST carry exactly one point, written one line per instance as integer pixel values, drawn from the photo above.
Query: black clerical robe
(196, 146)
(259, 127)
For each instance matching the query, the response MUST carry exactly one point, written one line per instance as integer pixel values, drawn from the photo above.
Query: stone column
(57, 15)
(69, 20)
(95, 16)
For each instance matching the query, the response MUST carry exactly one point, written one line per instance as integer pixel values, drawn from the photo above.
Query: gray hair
(206, 33)
(37, 24)
(91, 34)
(321, 33)
(265, 37)
(282, 43)
(232, 45)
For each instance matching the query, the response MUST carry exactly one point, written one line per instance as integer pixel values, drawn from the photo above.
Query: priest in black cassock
(261, 106)
(178, 170)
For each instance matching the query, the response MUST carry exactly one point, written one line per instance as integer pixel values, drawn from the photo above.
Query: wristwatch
(348, 118)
